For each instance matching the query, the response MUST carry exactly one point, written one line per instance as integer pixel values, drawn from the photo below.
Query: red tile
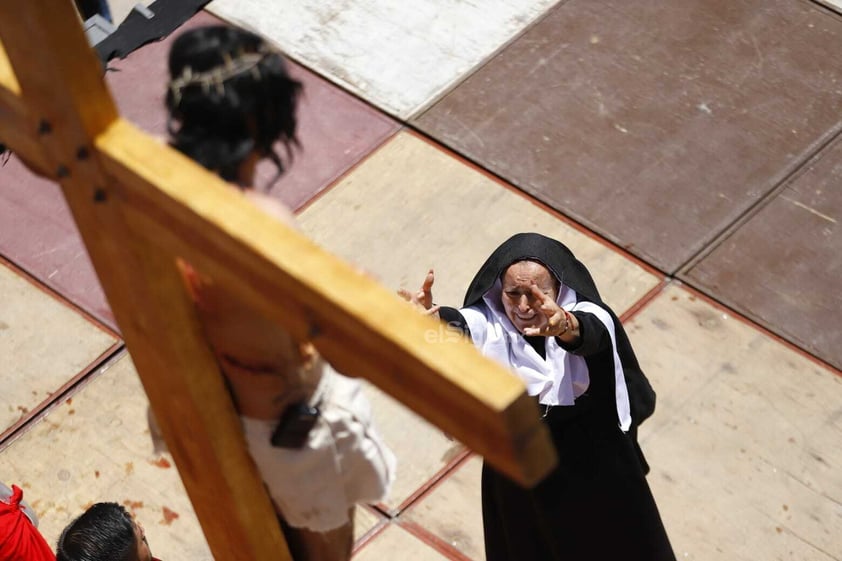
(336, 130)
(37, 232)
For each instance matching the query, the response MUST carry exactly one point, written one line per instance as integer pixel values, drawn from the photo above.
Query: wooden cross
(140, 205)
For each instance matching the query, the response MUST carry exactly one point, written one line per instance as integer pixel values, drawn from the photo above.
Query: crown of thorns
(217, 76)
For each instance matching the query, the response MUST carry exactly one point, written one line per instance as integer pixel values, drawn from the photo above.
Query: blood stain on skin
(96, 474)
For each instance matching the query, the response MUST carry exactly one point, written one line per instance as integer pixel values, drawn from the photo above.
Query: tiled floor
(687, 152)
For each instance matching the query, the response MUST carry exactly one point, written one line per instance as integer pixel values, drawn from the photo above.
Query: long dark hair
(229, 95)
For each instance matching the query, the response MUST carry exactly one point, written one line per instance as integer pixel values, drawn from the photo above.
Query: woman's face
(521, 306)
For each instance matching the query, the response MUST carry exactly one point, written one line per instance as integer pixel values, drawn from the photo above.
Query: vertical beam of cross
(138, 205)
(69, 106)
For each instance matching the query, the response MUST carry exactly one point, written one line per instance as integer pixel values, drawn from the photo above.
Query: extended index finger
(427, 285)
(540, 295)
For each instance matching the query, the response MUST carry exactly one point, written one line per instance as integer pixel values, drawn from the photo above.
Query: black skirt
(596, 505)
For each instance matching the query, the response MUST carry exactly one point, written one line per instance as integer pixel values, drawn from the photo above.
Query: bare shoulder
(271, 206)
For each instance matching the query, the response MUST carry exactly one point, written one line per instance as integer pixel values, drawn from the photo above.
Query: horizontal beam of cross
(140, 205)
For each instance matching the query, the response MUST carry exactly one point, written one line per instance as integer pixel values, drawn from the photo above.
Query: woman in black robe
(534, 307)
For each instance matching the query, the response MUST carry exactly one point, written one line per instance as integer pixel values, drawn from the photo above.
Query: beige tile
(96, 447)
(43, 344)
(453, 510)
(422, 450)
(398, 55)
(99, 450)
(398, 544)
(411, 207)
(744, 446)
(364, 521)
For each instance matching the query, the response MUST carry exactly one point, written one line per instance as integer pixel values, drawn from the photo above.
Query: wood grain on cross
(140, 205)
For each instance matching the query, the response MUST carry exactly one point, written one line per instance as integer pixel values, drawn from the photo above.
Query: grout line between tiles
(99, 365)
(814, 154)
(307, 65)
(419, 111)
(370, 150)
(372, 534)
(679, 275)
(644, 300)
(434, 541)
(502, 182)
(402, 122)
(432, 483)
(387, 139)
(666, 279)
(56, 295)
(413, 113)
(702, 294)
(828, 9)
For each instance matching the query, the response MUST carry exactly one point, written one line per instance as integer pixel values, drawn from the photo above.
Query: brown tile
(656, 124)
(784, 266)
(37, 231)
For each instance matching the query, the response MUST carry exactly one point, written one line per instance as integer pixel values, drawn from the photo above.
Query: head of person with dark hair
(230, 99)
(104, 532)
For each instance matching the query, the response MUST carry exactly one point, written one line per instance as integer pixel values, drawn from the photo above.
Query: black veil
(567, 269)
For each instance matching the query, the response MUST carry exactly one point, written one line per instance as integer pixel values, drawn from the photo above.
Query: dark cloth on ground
(138, 29)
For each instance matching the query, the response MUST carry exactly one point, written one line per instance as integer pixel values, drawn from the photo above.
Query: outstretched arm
(423, 297)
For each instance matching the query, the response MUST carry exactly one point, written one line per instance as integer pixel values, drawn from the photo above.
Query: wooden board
(139, 205)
